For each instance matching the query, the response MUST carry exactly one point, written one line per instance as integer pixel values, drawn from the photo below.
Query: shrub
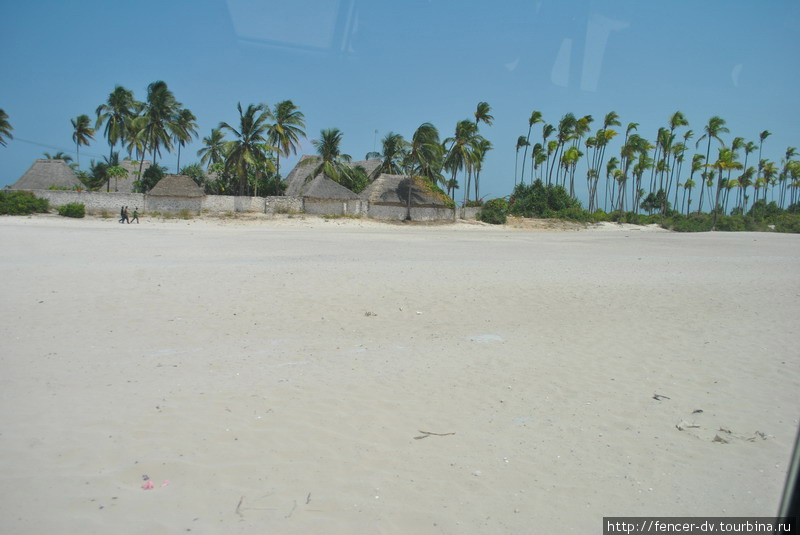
(495, 212)
(538, 200)
(22, 203)
(787, 223)
(73, 209)
(474, 204)
(690, 223)
(185, 214)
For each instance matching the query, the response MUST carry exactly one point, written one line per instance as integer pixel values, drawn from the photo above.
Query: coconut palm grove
(685, 176)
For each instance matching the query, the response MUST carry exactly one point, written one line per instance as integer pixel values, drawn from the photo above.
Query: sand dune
(279, 375)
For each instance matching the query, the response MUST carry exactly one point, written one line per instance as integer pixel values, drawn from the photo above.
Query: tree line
(667, 175)
(657, 176)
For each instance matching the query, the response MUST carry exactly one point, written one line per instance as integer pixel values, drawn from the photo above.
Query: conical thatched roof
(298, 177)
(369, 165)
(323, 187)
(393, 189)
(176, 186)
(45, 174)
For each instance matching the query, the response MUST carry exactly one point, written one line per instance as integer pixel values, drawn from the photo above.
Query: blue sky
(385, 65)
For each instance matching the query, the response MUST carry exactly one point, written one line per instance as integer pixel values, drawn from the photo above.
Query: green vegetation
(495, 211)
(73, 209)
(21, 203)
(185, 214)
(5, 128)
(661, 176)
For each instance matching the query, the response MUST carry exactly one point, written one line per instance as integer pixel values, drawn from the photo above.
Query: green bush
(22, 203)
(729, 223)
(73, 209)
(538, 200)
(690, 223)
(494, 211)
(474, 204)
(787, 223)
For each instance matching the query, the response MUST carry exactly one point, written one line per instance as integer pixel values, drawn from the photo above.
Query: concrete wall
(97, 201)
(418, 213)
(334, 206)
(469, 212)
(94, 201)
(283, 205)
(173, 204)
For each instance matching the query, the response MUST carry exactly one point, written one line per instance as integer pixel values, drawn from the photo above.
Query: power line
(61, 149)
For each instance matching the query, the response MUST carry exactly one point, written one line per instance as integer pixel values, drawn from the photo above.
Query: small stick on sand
(308, 498)
(426, 434)
(238, 505)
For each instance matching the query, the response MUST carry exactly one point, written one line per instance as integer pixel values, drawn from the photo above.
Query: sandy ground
(281, 376)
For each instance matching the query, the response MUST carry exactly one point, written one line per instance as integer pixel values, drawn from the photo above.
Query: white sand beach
(281, 376)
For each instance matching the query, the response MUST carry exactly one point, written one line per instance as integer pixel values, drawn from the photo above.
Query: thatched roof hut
(176, 186)
(323, 187)
(394, 190)
(45, 174)
(299, 179)
(125, 184)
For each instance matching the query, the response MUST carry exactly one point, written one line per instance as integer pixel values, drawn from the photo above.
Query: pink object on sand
(165, 483)
(147, 485)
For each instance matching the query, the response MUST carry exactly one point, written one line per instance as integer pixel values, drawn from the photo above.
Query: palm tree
(521, 142)
(247, 152)
(334, 162)
(58, 156)
(536, 117)
(761, 137)
(745, 181)
(158, 112)
(286, 130)
(461, 143)
(394, 151)
(81, 133)
(769, 171)
(482, 114)
(791, 152)
(183, 128)
(725, 162)
(5, 128)
(715, 127)
(482, 146)
(116, 113)
(566, 129)
(215, 148)
(425, 154)
(423, 157)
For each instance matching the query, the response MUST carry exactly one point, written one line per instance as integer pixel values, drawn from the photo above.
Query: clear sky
(390, 65)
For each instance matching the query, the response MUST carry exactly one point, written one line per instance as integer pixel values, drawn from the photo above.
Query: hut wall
(218, 203)
(418, 213)
(334, 206)
(173, 204)
(283, 205)
(469, 212)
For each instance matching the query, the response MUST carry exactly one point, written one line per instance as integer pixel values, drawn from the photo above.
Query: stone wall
(163, 203)
(354, 207)
(98, 201)
(94, 201)
(418, 213)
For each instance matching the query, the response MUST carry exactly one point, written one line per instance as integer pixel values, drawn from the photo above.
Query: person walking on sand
(121, 214)
(135, 215)
(125, 215)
